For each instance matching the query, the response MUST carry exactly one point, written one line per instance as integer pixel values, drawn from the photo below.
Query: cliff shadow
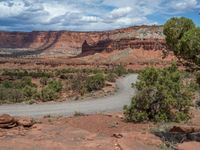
(51, 40)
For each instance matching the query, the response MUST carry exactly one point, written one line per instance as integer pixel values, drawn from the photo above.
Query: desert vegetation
(162, 97)
(166, 95)
(44, 85)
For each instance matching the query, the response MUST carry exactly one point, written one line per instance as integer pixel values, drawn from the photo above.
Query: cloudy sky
(90, 15)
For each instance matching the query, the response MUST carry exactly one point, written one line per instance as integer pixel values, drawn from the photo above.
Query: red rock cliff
(65, 43)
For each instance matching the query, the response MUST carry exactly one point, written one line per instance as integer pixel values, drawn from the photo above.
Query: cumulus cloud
(120, 12)
(186, 4)
(28, 15)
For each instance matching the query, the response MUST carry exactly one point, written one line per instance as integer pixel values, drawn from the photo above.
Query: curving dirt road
(105, 104)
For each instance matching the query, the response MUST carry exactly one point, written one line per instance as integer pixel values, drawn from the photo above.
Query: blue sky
(91, 15)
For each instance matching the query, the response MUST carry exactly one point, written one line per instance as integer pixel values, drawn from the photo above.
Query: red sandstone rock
(189, 146)
(64, 43)
(25, 122)
(117, 135)
(185, 129)
(5, 118)
(6, 121)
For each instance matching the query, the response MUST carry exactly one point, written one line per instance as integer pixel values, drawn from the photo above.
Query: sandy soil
(100, 132)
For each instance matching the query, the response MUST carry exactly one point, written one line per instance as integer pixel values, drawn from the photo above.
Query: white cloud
(86, 14)
(120, 12)
(90, 19)
(186, 4)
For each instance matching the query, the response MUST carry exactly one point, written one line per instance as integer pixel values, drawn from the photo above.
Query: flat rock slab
(189, 146)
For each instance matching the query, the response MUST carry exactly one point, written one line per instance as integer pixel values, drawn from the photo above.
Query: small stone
(118, 135)
(25, 122)
(5, 118)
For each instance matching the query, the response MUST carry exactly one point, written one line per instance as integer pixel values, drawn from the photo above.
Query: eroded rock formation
(65, 43)
(121, 44)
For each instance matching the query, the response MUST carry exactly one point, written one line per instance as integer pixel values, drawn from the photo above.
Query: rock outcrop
(7, 121)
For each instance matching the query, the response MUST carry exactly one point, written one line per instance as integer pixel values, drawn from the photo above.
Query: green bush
(9, 95)
(189, 46)
(174, 29)
(29, 91)
(79, 83)
(120, 70)
(7, 84)
(198, 78)
(23, 73)
(111, 77)
(44, 81)
(95, 82)
(161, 97)
(55, 85)
(183, 37)
(25, 81)
(51, 90)
(48, 94)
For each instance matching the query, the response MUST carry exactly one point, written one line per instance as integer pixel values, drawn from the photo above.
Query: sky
(91, 15)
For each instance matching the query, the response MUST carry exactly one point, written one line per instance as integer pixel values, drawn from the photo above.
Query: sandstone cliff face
(64, 43)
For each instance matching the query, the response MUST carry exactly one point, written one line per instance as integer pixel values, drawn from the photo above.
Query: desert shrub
(29, 91)
(44, 81)
(51, 90)
(55, 85)
(7, 84)
(95, 82)
(120, 70)
(198, 78)
(79, 83)
(161, 97)
(24, 73)
(174, 30)
(9, 95)
(17, 90)
(111, 77)
(78, 114)
(189, 46)
(48, 94)
(182, 36)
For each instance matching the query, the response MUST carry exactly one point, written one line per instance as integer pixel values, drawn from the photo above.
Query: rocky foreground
(85, 132)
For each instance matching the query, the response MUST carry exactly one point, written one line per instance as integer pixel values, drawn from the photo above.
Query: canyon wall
(67, 43)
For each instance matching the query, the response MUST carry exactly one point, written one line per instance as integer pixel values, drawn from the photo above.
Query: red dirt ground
(101, 132)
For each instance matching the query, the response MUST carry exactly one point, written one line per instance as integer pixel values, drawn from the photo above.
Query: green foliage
(95, 82)
(51, 90)
(48, 94)
(161, 97)
(78, 83)
(175, 28)
(7, 84)
(24, 73)
(189, 46)
(17, 90)
(9, 95)
(78, 114)
(29, 91)
(119, 70)
(198, 78)
(55, 85)
(111, 77)
(44, 81)
(183, 38)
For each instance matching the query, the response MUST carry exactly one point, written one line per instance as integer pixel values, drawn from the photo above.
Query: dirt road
(104, 104)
